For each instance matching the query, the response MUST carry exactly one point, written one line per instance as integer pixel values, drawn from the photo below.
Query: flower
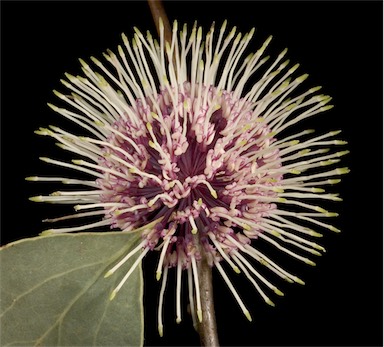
(181, 149)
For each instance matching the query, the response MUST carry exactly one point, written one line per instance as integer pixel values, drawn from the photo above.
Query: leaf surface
(53, 292)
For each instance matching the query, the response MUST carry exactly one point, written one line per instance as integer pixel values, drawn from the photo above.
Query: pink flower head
(181, 148)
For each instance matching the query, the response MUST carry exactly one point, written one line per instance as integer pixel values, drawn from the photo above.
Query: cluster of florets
(180, 152)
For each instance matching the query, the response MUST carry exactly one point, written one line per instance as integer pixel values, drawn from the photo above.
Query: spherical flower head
(181, 148)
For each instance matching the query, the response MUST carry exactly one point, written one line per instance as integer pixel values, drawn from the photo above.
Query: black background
(338, 43)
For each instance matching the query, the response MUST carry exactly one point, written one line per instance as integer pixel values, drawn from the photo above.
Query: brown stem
(157, 10)
(207, 329)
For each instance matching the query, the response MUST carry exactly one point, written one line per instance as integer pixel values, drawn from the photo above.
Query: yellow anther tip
(334, 181)
(321, 210)
(332, 214)
(315, 234)
(154, 115)
(112, 296)
(320, 248)
(332, 228)
(310, 262)
(47, 232)
(278, 292)
(109, 273)
(200, 315)
(160, 329)
(36, 198)
(247, 227)
(343, 170)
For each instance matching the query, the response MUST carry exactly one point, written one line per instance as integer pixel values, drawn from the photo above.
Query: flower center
(192, 163)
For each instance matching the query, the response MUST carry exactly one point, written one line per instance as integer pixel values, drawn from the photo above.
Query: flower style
(182, 149)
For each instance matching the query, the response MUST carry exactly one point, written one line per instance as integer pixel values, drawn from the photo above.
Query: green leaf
(53, 292)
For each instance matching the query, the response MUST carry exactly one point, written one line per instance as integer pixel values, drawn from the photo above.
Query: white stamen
(63, 199)
(135, 170)
(178, 289)
(99, 168)
(247, 274)
(79, 228)
(78, 120)
(278, 232)
(191, 297)
(233, 290)
(288, 224)
(256, 273)
(193, 224)
(167, 239)
(87, 93)
(61, 179)
(272, 265)
(77, 215)
(129, 273)
(161, 300)
(131, 209)
(101, 204)
(122, 261)
(71, 166)
(222, 252)
(197, 289)
(159, 196)
(293, 254)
